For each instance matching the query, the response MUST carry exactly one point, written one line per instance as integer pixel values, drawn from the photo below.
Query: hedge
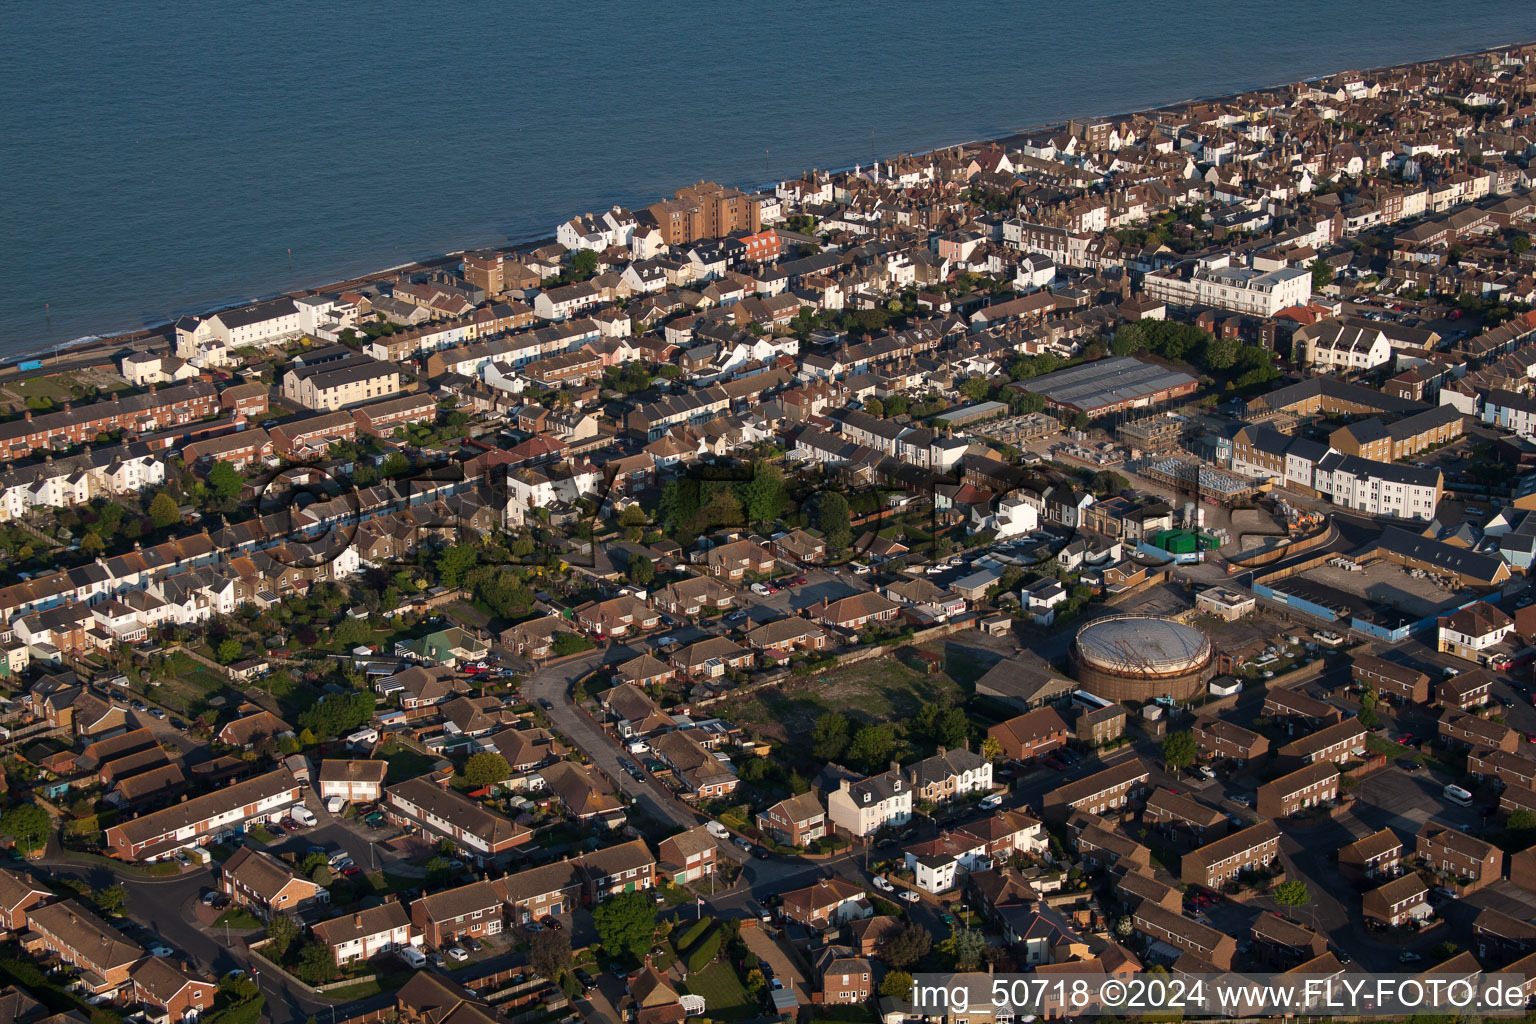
(704, 954)
(695, 930)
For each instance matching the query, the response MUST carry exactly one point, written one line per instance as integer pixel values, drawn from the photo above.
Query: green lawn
(723, 991)
(237, 917)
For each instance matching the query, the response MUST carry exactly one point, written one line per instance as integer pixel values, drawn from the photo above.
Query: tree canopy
(626, 923)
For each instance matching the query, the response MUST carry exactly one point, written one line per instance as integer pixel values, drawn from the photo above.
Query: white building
(1345, 348)
(1380, 488)
(1213, 281)
(864, 806)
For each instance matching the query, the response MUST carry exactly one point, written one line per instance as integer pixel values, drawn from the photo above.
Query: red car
(800, 581)
(353, 871)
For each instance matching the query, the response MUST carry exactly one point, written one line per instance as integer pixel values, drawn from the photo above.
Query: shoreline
(103, 344)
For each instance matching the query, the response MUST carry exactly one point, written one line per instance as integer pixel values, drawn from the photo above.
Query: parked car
(1408, 956)
(552, 923)
(585, 980)
(456, 953)
(882, 883)
(546, 704)
(437, 961)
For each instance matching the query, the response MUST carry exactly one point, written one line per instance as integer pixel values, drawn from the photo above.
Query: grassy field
(724, 993)
(879, 690)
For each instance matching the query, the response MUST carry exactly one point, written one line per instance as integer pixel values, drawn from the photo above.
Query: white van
(333, 805)
(717, 830)
(1457, 795)
(412, 956)
(303, 815)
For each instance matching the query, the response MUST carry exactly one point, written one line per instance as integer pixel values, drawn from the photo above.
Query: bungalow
(854, 612)
(634, 713)
(583, 794)
(783, 637)
(246, 731)
(694, 595)
(712, 658)
(734, 561)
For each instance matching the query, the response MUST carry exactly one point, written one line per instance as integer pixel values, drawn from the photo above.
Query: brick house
(1175, 811)
(1454, 855)
(1161, 925)
(476, 832)
(1217, 738)
(1031, 734)
(1303, 788)
(1376, 857)
(78, 937)
(366, 933)
(855, 611)
(1471, 731)
(687, 856)
(1391, 680)
(785, 636)
(1101, 725)
(474, 909)
(1468, 690)
(1332, 743)
(179, 996)
(1253, 849)
(354, 781)
(1512, 770)
(1287, 940)
(734, 561)
(1109, 789)
(547, 890)
(949, 775)
(17, 895)
(831, 902)
(1398, 902)
(265, 885)
(842, 977)
(795, 821)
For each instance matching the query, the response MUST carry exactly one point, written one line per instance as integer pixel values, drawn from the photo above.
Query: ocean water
(162, 158)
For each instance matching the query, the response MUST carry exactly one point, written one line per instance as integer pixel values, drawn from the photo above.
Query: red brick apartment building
(1218, 738)
(1332, 743)
(1456, 855)
(1253, 849)
(1303, 788)
(1391, 680)
(1376, 856)
(706, 210)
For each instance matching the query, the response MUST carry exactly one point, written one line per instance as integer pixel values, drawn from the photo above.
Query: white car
(910, 896)
(455, 953)
(882, 883)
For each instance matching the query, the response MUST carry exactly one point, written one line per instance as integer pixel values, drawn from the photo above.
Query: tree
(283, 932)
(895, 405)
(966, 946)
(1220, 353)
(991, 749)
(829, 736)
(1322, 275)
(906, 947)
(486, 769)
(872, 745)
(1520, 244)
(897, 985)
(229, 650)
(1292, 894)
(163, 511)
(225, 482)
(641, 570)
(317, 964)
(454, 563)
(549, 953)
(634, 515)
(1521, 820)
(1179, 750)
(764, 496)
(27, 826)
(1128, 339)
(92, 544)
(976, 388)
(626, 923)
(111, 899)
(583, 264)
(833, 517)
(1367, 717)
(874, 407)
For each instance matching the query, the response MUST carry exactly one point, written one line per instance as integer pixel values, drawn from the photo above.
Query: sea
(165, 158)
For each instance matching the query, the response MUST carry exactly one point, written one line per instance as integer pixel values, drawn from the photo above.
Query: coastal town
(1099, 552)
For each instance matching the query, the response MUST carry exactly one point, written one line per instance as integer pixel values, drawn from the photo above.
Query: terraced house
(1161, 925)
(949, 775)
(1107, 790)
(1253, 849)
(1332, 743)
(1391, 680)
(1401, 901)
(1217, 738)
(476, 832)
(205, 819)
(1302, 788)
(1463, 860)
(1374, 857)
(364, 934)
